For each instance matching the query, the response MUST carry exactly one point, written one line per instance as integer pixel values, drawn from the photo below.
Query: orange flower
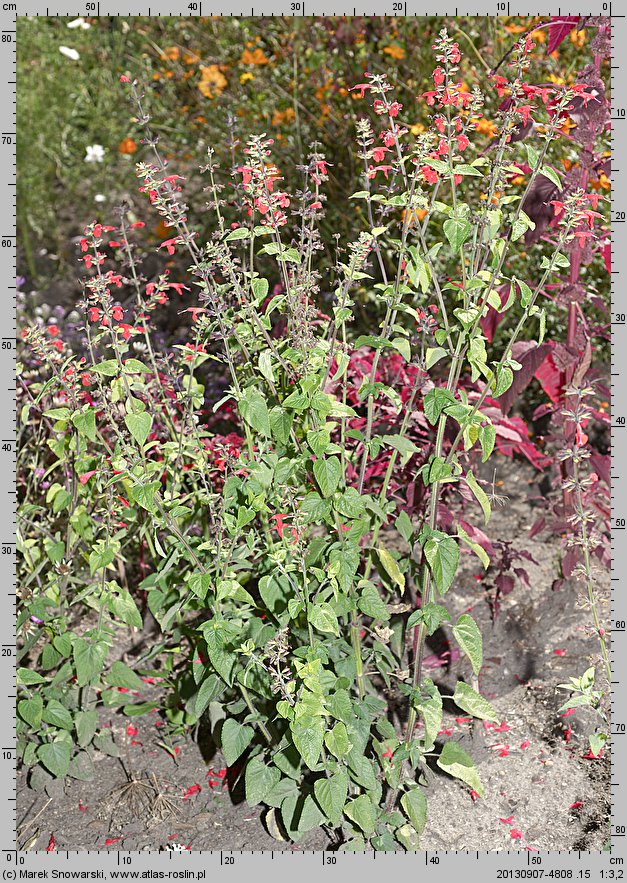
(127, 146)
(394, 51)
(212, 81)
(416, 216)
(283, 117)
(486, 127)
(256, 56)
(172, 53)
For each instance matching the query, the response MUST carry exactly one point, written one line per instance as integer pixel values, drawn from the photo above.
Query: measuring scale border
(445, 864)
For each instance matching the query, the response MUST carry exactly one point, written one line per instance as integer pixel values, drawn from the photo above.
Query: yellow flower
(539, 36)
(578, 38)
(515, 29)
(518, 180)
(559, 81)
(212, 81)
(256, 56)
(191, 58)
(417, 129)
(173, 53)
(394, 51)
(244, 78)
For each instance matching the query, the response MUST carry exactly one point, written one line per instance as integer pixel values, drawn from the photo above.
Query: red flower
(131, 730)
(378, 153)
(193, 789)
(280, 522)
(53, 330)
(169, 244)
(462, 142)
(117, 313)
(94, 314)
(84, 478)
(581, 438)
(363, 87)
(124, 79)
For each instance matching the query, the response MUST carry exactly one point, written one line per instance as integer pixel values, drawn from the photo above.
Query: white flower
(94, 153)
(79, 23)
(99, 197)
(69, 53)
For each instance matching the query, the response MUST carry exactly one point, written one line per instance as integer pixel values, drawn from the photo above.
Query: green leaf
(404, 526)
(221, 659)
(31, 710)
(123, 607)
(144, 494)
(340, 706)
(86, 723)
(371, 603)
(390, 565)
(55, 756)
(235, 739)
(414, 804)
(85, 422)
(260, 289)
(57, 715)
(139, 426)
(552, 175)
(308, 735)
(442, 553)
(479, 551)
(331, 795)
(468, 636)
(238, 233)
(430, 709)
(480, 495)
(433, 356)
(120, 675)
(200, 583)
(403, 346)
(260, 780)
(474, 703)
(433, 615)
(134, 366)
(337, 740)
(457, 231)
(404, 446)
(101, 558)
(487, 438)
(253, 408)
(281, 424)
(328, 474)
(435, 401)
(28, 677)
(89, 660)
(323, 617)
(454, 761)
(361, 811)
(109, 368)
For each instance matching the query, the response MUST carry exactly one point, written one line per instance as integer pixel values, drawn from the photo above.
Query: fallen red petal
(516, 835)
(576, 805)
(508, 821)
